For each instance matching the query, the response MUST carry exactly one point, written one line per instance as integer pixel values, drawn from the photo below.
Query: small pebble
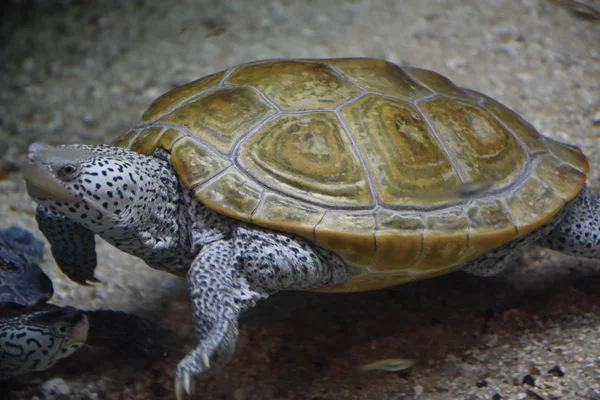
(497, 397)
(556, 371)
(528, 380)
(481, 384)
(56, 386)
(533, 396)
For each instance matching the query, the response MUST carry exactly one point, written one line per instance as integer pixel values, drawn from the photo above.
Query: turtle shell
(365, 158)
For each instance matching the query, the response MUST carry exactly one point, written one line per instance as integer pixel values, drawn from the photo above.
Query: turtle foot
(209, 357)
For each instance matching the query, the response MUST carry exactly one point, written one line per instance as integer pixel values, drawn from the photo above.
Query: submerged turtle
(35, 335)
(35, 340)
(22, 281)
(336, 175)
(32, 338)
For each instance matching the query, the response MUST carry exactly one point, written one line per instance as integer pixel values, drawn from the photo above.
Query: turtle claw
(184, 383)
(205, 361)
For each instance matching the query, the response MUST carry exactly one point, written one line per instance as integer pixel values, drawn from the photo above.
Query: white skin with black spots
(36, 341)
(137, 203)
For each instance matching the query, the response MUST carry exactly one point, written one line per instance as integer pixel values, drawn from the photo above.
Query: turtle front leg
(73, 246)
(214, 291)
(230, 275)
(578, 232)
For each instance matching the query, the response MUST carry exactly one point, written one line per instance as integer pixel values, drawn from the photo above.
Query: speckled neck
(156, 227)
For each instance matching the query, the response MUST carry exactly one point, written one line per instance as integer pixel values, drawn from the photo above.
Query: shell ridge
(428, 87)
(257, 90)
(343, 76)
(226, 76)
(235, 149)
(314, 231)
(375, 229)
(187, 133)
(347, 79)
(421, 242)
(352, 100)
(442, 144)
(185, 101)
(243, 171)
(363, 163)
(514, 135)
(206, 182)
(261, 200)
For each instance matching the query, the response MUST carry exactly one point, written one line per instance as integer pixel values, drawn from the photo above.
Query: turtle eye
(68, 171)
(61, 328)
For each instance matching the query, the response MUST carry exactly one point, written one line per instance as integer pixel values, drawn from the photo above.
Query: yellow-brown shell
(364, 158)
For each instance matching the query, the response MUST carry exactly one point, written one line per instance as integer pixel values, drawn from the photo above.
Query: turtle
(332, 175)
(36, 340)
(32, 337)
(22, 281)
(34, 334)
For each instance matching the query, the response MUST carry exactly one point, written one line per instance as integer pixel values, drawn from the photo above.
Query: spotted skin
(504, 258)
(22, 281)
(75, 252)
(36, 341)
(578, 234)
(231, 264)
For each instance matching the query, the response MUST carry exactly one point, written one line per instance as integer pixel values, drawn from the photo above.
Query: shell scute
(291, 153)
(437, 83)
(288, 215)
(195, 162)
(399, 240)
(231, 194)
(351, 235)
(147, 140)
(517, 125)
(293, 85)
(382, 77)
(563, 178)
(569, 154)
(481, 147)
(531, 205)
(404, 158)
(170, 100)
(445, 238)
(491, 225)
(222, 116)
(125, 139)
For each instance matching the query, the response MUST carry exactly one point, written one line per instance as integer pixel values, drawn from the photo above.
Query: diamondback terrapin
(22, 281)
(35, 340)
(32, 338)
(336, 175)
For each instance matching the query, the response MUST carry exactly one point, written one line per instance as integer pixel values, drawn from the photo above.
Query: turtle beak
(38, 170)
(80, 330)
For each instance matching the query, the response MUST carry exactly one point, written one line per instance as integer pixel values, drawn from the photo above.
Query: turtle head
(37, 340)
(127, 198)
(96, 186)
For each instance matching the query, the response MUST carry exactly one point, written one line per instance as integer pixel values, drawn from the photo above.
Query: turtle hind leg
(509, 255)
(578, 232)
(491, 265)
